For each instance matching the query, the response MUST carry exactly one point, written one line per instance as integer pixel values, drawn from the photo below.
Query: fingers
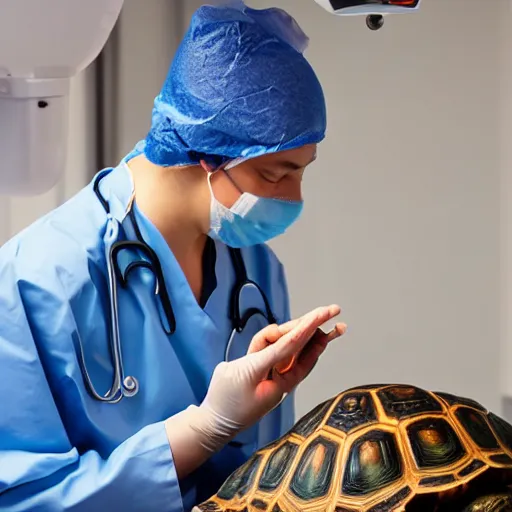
(313, 350)
(264, 338)
(288, 326)
(294, 341)
(271, 334)
(319, 337)
(304, 363)
(309, 358)
(338, 330)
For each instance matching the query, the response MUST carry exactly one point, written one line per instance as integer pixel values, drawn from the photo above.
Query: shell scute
(391, 503)
(403, 401)
(456, 400)
(312, 477)
(277, 466)
(502, 429)
(353, 410)
(238, 484)
(472, 467)
(373, 463)
(312, 420)
(436, 481)
(476, 426)
(434, 443)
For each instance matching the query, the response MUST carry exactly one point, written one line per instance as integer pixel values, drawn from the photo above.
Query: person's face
(277, 175)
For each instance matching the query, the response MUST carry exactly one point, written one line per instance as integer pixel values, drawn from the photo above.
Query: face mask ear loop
(210, 171)
(209, 179)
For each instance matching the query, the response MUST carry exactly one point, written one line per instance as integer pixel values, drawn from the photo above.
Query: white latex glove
(240, 393)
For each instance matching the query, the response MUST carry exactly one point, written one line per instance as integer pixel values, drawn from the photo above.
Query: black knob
(374, 21)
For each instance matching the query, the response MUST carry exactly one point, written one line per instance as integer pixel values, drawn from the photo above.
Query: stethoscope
(128, 385)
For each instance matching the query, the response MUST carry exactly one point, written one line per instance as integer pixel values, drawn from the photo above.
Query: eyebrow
(294, 165)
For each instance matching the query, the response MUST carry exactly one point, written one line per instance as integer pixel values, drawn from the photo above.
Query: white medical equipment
(374, 10)
(43, 44)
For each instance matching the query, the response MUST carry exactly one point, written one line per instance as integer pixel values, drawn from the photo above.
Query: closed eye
(271, 177)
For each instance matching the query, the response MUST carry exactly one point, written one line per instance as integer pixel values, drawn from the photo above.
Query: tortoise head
(500, 502)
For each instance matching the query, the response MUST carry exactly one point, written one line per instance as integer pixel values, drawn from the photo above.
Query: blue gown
(61, 450)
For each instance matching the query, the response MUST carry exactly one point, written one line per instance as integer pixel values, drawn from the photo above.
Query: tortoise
(379, 448)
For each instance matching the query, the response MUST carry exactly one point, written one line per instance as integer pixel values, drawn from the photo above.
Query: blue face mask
(252, 220)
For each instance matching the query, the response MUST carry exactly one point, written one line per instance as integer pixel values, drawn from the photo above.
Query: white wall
(402, 219)
(17, 213)
(146, 52)
(506, 210)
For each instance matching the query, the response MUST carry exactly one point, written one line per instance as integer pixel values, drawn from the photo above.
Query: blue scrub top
(60, 449)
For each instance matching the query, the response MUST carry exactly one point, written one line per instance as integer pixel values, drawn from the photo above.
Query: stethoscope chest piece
(130, 386)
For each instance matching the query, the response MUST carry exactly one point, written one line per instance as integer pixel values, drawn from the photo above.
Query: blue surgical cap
(238, 87)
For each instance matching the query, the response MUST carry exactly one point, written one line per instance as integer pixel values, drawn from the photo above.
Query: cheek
(289, 188)
(294, 191)
(224, 190)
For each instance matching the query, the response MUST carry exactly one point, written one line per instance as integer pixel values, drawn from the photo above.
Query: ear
(206, 166)
(211, 168)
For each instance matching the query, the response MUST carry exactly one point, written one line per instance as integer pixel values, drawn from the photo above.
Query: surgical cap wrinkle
(238, 87)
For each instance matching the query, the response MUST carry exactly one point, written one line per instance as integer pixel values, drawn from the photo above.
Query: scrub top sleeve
(40, 469)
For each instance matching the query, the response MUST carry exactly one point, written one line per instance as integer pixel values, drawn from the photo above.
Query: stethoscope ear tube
(154, 266)
(242, 280)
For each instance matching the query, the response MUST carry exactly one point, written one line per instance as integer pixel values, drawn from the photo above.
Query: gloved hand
(240, 392)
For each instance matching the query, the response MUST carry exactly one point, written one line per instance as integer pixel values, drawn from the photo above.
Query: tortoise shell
(373, 448)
